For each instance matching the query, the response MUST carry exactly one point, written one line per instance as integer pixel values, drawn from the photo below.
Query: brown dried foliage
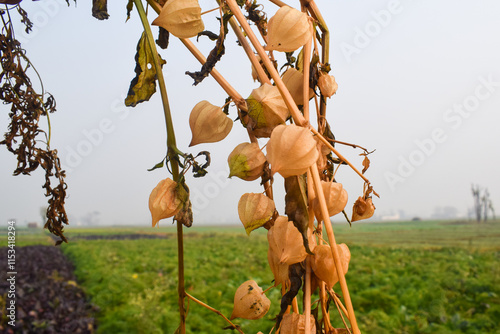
(23, 135)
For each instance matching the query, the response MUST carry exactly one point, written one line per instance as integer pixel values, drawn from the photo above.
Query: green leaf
(143, 86)
(158, 165)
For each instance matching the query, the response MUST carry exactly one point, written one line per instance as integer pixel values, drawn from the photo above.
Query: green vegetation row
(401, 278)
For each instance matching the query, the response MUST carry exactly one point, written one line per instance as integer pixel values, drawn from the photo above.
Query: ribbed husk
(327, 85)
(294, 323)
(182, 18)
(323, 265)
(163, 201)
(208, 123)
(286, 242)
(279, 270)
(288, 30)
(266, 109)
(250, 302)
(362, 209)
(291, 150)
(335, 197)
(294, 82)
(255, 210)
(246, 161)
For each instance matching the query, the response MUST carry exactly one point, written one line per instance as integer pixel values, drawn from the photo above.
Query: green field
(406, 277)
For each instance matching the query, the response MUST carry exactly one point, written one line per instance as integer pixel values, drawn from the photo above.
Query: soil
(47, 297)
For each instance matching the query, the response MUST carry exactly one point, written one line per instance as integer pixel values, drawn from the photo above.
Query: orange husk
(246, 161)
(266, 110)
(291, 150)
(250, 302)
(327, 85)
(288, 30)
(294, 323)
(182, 18)
(163, 201)
(362, 209)
(255, 210)
(294, 82)
(335, 197)
(323, 266)
(208, 123)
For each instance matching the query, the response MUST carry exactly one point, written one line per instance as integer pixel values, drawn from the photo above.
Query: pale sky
(418, 81)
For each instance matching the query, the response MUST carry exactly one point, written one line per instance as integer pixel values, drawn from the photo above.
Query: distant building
(33, 225)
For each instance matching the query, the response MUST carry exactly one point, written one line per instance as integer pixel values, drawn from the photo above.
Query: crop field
(405, 277)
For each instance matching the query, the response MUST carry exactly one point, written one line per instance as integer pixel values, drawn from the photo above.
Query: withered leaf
(163, 37)
(296, 206)
(100, 9)
(185, 214)
(214, 56)
(143, 86)
(295, 272)
(366, 164)
(209, 34)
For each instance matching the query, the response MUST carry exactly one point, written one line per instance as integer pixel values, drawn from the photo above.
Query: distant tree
(482, 203)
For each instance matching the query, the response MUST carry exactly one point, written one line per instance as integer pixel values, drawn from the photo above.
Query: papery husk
(286, 242)
(362, 209)
(250, 302)
(279, 270)
(208, 123)
(327, 85)
(291, 150)
(323, 266)
(182, 18)
(335, 198)
(255, 210)
(288, 30)
(163, 201)
(246, 161)
(294, 82)
(266, 110)
(294, 323)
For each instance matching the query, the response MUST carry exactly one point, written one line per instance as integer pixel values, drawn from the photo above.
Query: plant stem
(294, 110)
(333, 245)
(171, 152)
(199, 302)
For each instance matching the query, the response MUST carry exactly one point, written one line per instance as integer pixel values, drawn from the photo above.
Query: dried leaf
(163, 38)
(185, 214)
(295, 272)
(143, 86)
(366, 164)
(100, 9)
(296, 206)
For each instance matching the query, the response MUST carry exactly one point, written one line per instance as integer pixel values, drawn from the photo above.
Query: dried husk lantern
(163, 201)
(323, 266)
(208, 123)
(250, 302)
(327, 84)
(255, 210)
(294, 82)
(294, 323)
(362, 209)
(182, 18)
(291, 150)
(286, 242)
(246, 161)
(266, 109)
(288, 30)
(335, 198)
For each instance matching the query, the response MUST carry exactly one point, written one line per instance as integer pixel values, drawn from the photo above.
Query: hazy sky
(419, 81)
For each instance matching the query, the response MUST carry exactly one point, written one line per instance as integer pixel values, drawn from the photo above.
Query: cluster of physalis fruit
(291, 151)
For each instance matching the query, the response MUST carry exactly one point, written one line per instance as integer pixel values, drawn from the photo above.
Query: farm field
(405, 277)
